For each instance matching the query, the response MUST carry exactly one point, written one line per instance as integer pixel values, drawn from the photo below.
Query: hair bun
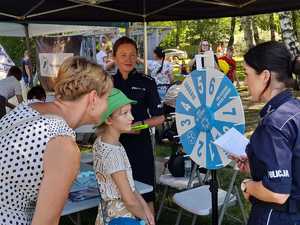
(295, 65)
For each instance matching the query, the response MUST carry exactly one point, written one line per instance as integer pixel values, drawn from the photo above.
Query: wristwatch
(244, 185)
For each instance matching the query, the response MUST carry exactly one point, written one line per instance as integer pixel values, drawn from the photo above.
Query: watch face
(243, 186)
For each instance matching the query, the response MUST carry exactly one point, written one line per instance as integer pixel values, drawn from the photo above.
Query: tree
(14, 47)
(272, 27)
(248, 34)
(288, 33)
(232, 29)
(255, 29)
(295, 18)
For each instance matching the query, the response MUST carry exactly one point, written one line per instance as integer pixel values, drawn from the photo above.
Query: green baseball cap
(116, 99)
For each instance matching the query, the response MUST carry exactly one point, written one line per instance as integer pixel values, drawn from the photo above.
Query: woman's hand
(242, 163)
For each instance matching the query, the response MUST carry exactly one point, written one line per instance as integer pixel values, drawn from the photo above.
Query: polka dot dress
(22, 146)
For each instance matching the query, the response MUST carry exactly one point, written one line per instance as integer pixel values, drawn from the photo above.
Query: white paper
(199, 61)
(233, 142)
(209, 59)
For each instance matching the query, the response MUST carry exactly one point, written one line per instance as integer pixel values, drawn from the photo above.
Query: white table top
(86, 157)
(73, 207)
(85, 129)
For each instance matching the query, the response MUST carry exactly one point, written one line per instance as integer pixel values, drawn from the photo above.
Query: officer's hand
(242, 163)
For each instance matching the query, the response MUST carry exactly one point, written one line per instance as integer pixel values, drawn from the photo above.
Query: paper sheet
(233, 142)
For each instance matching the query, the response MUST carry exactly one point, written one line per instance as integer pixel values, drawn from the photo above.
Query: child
(112, 167)
(36, 93)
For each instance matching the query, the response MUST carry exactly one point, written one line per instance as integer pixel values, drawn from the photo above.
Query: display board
(206, 107)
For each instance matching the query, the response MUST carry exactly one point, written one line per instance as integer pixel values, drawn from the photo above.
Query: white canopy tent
(35, 29)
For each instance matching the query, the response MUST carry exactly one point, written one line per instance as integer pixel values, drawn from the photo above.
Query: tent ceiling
(93, 11)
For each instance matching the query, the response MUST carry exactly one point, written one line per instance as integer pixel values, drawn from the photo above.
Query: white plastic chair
(179, 183)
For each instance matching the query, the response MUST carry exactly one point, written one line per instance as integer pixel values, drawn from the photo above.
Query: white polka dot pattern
(21, 161)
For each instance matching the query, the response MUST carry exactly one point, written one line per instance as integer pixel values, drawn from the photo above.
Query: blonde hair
(78, 76)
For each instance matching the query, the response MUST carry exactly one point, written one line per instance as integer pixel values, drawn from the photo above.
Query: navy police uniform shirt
(143, 89)
(274, 148)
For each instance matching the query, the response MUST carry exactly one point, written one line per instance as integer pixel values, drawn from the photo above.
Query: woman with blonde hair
(39, 158)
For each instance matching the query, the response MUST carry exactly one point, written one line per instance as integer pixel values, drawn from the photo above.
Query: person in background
(100, 56)
(273, 153)
(10, 87)
(27, 71)
(228, 57)
(39, 157)
(148, 110)
(110, 66)
(220, 49)
(36, 93)
(112, 167)
(161, 71)
(202, 48)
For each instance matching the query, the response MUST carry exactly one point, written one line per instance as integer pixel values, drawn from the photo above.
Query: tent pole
(145, 47)
(27, 40)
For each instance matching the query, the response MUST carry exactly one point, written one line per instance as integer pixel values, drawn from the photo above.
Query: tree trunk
(232, 28)
(248, 34)
(294, 21)
(255, 30)
(178, 32)
(289, 36)
(288, 33)
(272, 27)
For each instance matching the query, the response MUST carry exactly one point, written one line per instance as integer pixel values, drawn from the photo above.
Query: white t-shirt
(9, 87)
(100, 57)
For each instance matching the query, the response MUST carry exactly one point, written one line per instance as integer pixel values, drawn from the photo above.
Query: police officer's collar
(131, 74)
(275, 102)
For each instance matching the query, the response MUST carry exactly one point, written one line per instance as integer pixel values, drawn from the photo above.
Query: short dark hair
(121, 41)
(36, 92)
(273, 56)
(16, 72)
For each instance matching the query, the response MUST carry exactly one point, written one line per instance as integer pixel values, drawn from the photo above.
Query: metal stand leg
(214, 196)
(227, 197)
(194, 220)
(179, 216)
(162, 203)
(241, 204)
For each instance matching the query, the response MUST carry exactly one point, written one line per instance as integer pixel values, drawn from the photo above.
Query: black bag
(176, 164)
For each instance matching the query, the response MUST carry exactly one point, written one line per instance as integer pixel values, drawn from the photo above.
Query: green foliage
(187, 34)
(15, 47)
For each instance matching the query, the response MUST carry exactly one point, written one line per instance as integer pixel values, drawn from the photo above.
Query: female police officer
(143, 89)
(273, 154)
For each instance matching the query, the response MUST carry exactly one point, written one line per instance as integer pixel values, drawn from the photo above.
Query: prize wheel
(207, 106)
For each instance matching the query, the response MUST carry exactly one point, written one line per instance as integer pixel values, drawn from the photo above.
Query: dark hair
(121, 41)
(36, 92)
(16, 72)
(275, 57)
(160, 53)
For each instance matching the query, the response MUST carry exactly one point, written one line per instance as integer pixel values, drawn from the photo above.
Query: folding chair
(179, 183)
(198, 201)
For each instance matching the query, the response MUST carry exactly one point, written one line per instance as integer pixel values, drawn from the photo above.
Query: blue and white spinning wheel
(206, 107)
